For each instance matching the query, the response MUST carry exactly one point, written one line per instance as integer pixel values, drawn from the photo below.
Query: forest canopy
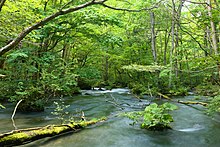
(56, 47)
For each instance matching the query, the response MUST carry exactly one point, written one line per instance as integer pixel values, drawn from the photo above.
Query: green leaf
(16, 55)
(169, 106)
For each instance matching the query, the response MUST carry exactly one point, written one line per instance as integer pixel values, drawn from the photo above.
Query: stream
(191, 127)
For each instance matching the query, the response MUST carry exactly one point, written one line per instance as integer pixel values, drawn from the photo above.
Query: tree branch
(12, 117)
(193, 2)
(35, 26)
(132, 10)
(26, 31)
(182, 102)
(2, 4)
(191, 35)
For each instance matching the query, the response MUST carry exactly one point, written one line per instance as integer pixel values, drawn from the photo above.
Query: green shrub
(137, 88)
(208, 90)
(180, 91)
(154, 117)
(214, 105)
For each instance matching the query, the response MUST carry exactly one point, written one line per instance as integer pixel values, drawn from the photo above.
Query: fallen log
(193, 103)
(24, 136)
(164, 96)
(182, 102)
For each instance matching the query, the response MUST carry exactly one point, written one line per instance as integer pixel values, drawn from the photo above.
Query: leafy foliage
(60, 111)
(214, 105)
(208, 89)
(97, 46)
(141, 68)
(154, 117)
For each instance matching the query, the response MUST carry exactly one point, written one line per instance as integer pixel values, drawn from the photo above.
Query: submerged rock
(195, 127)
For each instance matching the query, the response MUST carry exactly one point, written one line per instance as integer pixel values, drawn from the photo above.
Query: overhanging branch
(2, 4)
(35, 26)
(156, 5)
(61, 12)
(199, 3)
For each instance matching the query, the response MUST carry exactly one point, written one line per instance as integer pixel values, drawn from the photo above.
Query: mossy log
(183, 102)
(23, 136)
(164, 96)
(193, 103)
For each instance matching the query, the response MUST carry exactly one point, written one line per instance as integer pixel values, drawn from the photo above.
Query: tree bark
(213, 29)
(153, 36)
(177, 33)
(173, 44)
(26, 31)
(2, 4)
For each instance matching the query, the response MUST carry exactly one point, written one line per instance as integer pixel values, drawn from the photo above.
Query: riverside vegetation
(54, 48)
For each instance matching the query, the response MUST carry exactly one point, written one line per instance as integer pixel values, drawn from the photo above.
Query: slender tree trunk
(153, 36)
(213, 28)
(208, 40)
(167, 38)
(177, 34)
(173, 44)
(176, 14)
(213, 34)
(64, 52)
(106, 68)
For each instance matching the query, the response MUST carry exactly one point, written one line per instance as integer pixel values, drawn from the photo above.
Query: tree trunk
(173, 44)
(106, 68)
(207, 40)
(177, 34)
(153, 36)
(213, 34)
(213, 29)
(166, 42)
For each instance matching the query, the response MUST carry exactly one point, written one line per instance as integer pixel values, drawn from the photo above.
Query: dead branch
(164, 96)
(114, 102)
(193, 103)
(12, 117)
(2, 76)
(182, 102)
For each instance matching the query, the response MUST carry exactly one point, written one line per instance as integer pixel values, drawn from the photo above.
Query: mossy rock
(158, 127)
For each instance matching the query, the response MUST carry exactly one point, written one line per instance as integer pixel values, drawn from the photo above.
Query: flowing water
(192, 128)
